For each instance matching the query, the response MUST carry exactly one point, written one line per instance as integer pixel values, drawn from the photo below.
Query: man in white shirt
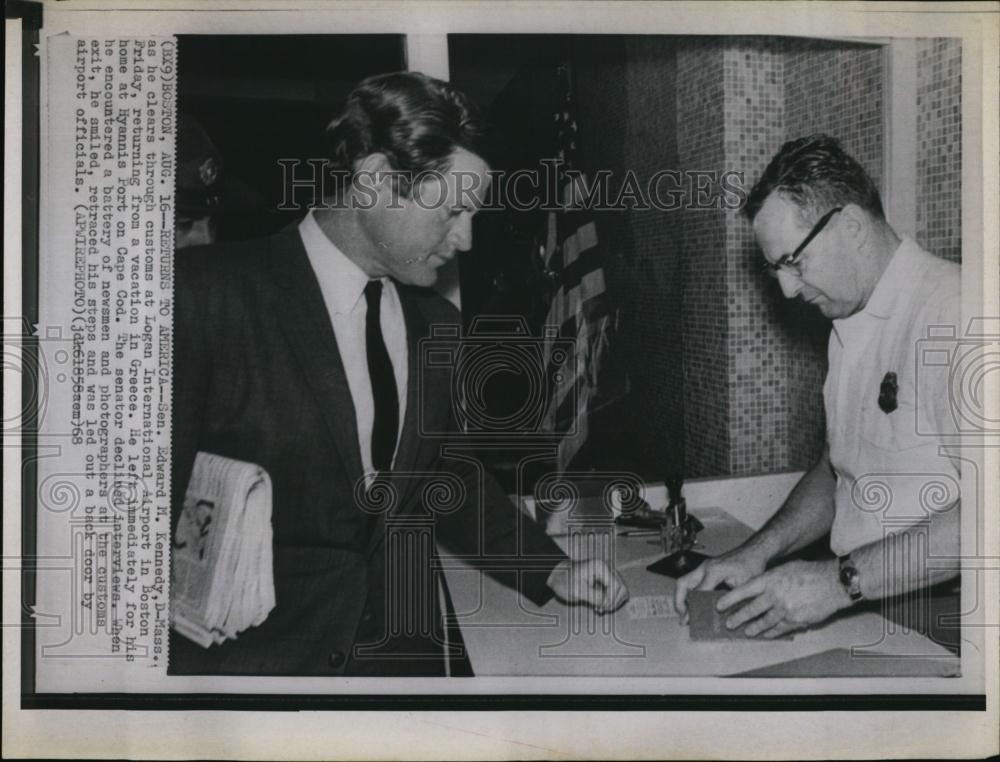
(882, 489)
(300, 353)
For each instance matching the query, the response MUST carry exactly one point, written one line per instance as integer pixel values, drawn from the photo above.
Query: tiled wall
(836, 89)
(718, 358)
(939, 146)
(654, 271)
(754, 399)
(701, 136)
(626, 101)
(759, 364)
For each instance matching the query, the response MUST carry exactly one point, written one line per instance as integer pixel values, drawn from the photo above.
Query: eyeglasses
(789, 262)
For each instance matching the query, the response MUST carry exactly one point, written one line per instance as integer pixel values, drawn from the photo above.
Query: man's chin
(829, 310)
(424, 278)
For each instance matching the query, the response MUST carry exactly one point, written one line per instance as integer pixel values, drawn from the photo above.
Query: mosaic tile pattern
(701, 104)
(836, 90)
(759, 362)
(625, 94)
(747, 364)
(939, 141)
(654, 270)
(754, 400)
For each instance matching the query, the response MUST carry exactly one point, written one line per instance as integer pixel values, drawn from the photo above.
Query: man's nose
(790, 284)
(460, 235)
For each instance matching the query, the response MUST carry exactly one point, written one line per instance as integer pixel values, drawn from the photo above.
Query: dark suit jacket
(257, 377)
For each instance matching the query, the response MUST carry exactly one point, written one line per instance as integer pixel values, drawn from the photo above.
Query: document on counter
(651, 607)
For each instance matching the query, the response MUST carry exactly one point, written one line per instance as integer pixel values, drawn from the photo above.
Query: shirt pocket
(901, 473)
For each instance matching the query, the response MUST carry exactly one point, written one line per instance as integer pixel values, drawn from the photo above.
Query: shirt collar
(341, 281)
(896, 282)
(893, 286)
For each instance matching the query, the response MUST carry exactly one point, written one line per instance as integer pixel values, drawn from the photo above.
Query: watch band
(850, 578)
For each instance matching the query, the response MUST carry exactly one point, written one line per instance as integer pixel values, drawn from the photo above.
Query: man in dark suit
(301, 353)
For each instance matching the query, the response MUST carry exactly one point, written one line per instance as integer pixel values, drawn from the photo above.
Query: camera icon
(961, 365)
(501, 380)
(43, 358)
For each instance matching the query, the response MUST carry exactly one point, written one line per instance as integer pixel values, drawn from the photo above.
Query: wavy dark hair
(415, 120)
(816, 174)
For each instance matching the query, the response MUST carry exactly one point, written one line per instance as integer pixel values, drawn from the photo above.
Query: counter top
(506, 635)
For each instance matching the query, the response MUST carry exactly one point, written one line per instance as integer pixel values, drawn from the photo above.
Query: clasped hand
(588, 581)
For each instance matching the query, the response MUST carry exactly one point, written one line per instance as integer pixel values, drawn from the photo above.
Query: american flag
(579, 312)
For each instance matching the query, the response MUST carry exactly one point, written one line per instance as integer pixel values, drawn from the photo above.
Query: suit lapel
(303, 316)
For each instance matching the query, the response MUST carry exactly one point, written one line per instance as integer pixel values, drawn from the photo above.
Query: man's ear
(372, 179)
(857, 224)
(376, 165)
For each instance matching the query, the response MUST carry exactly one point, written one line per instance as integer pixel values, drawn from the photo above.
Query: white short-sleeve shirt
(889, 468)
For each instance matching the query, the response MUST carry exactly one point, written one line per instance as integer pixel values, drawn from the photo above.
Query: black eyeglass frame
(789, 261)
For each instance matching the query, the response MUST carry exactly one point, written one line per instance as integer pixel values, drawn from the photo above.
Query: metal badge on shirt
(887, 392)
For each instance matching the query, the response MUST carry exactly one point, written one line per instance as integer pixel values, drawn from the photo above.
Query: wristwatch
(850, 578)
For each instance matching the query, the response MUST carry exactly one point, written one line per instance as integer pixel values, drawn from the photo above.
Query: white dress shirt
(342, 284)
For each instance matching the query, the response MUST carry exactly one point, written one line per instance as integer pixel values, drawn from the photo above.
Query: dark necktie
(383, 381)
